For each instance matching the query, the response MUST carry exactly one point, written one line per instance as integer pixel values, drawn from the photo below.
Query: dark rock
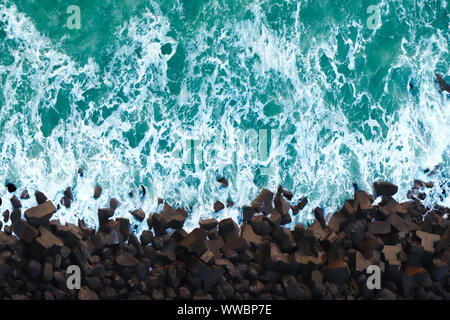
(124, 228)
(285, 239)
(260, 225)
(251, 237)
(357, 261)
(16, 202)
(86, 294)
(146, 237)
(384, 188)
(69, 233)
(320, 216)
(406, 285)
(41, 214)
(273, 258)
(391, 254)
(16, 214)
(439, 269)
(11, 187)
(194, 242)
(126, 260)
(68, 193)
(97, 192)
(34, 269)
(400, 224)
(8, 230)
(208, 224)
(24, 231)
(6, 216)
(379, 227)
(228, 229)
(138, 214)
(363, 202)
(444, 86)
(104, 214)
(248, 213)
(113, 203)
(40, 197)
(263, 202)
(223, 182)
(24, 195)
(389, 206)
(87, 232)
(235, 243)
(47, 272)
(65, 202)
(294, 290)
(208, 275)
(281, 205)
(168, 218)
(337, 222)
(299, 206)
(275, 219)
(47, 243)
(218, 206)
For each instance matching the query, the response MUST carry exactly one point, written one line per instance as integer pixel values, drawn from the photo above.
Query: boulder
(41, 214)
(263, 202)
(384, 188)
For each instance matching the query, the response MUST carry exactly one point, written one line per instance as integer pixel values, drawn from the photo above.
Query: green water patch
(50, 119)
(99, 23)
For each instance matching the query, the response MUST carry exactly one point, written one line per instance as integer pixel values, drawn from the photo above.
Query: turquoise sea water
(313, 95)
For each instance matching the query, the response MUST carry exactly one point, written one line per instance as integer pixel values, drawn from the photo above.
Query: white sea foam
(326, 155)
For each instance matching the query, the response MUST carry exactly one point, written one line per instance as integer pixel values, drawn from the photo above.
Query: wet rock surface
(260, 259)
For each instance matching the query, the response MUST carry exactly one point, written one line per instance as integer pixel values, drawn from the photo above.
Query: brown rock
(68, 193)
(126, 260)
(320, 216)
(218, 206)
(281, 205)
(86, 294)
(104, 214)
(250, 236)
(228, 228)
(40, 197)
(6, 216)
(208, 224)
(41, 214)
(114, 203)
(69, 233)
(385, 188)
(248, 213)
(260, 225)
(363, 202)
(285, 239)
(97, 192)
(223, 182)
(444, 86)
(263, 202)
(379, 227)
(46, 243)
(16, 202)
(138, 214)
(24, 231)
(428, 240)
(195, 242)
(24, 195)
(298, 207)
(208, 275)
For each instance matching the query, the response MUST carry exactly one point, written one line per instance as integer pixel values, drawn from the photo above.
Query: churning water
(314, 95)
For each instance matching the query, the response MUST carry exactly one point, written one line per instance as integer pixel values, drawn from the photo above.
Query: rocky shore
(260, 259)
